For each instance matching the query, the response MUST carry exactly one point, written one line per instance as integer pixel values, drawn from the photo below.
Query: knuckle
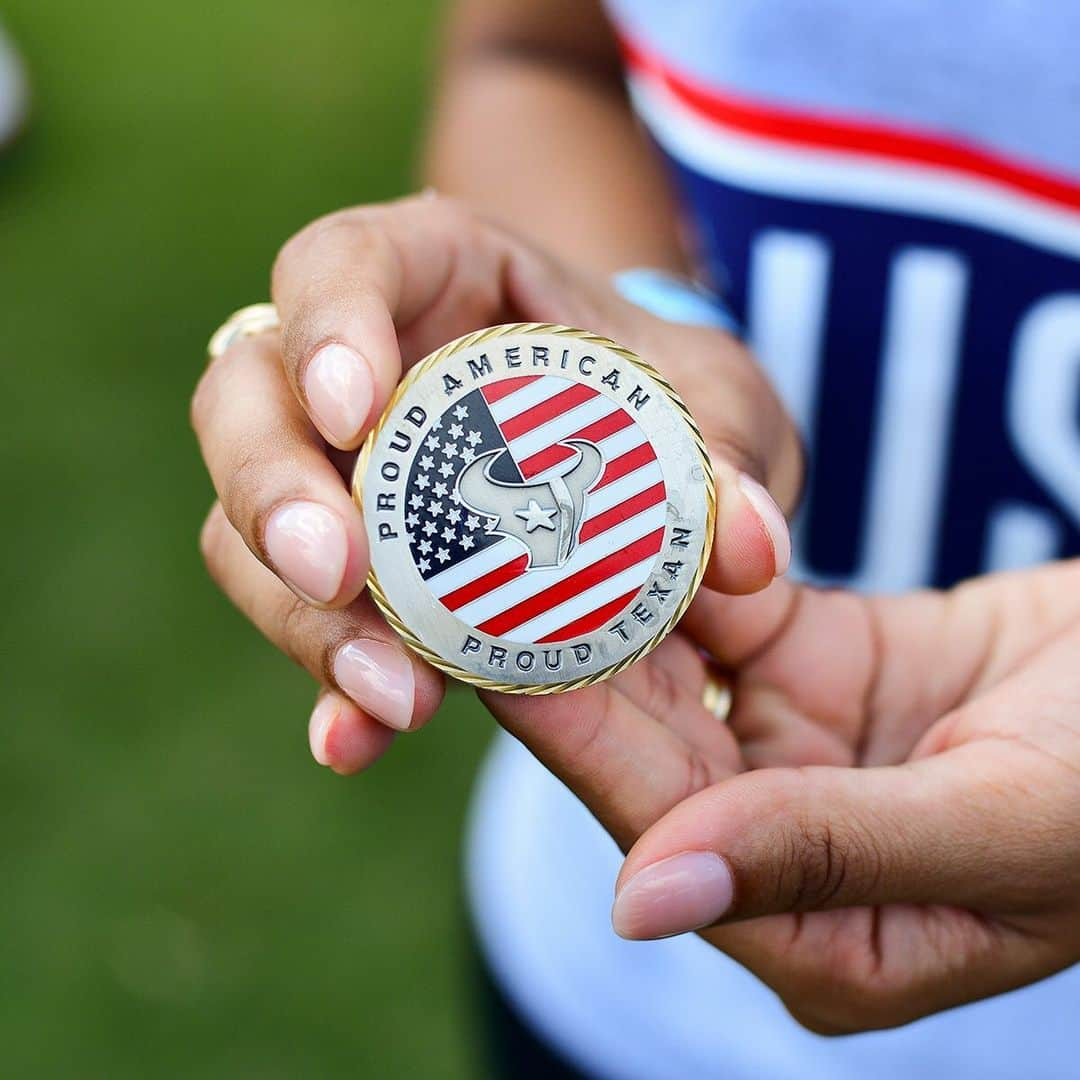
(446, 210)
(698, 774)
(832, 1022)
(241, 494)
(828, 863)
(663, 691)
(820, 1024)
(355, 230)
(852, 1004)
(292, 617)
(311, 234)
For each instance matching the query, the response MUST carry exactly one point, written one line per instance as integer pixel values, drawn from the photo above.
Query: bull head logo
(546, 515)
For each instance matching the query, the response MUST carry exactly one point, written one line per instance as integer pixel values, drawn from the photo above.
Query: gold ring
(247, 322)
(716, 697)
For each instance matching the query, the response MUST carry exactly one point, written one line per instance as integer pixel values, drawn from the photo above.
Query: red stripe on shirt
(850, 135)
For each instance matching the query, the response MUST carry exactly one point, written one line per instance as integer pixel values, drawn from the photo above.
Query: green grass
(184, 893)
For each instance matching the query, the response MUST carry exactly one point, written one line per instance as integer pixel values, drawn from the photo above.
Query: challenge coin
(539, 505)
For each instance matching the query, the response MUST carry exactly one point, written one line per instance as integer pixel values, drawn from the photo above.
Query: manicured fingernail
(379, 678)
(307, 544)
(340, 389)
(322, 717)
(673, 896)
(772, 517)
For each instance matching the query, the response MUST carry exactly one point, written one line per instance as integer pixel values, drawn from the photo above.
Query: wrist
(674, 298)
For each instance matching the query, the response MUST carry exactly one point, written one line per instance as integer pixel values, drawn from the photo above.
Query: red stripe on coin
(626, 463)
(577, 583)
(485, 583)
(594, 432)
(547, 410)
(497, 391)
(591, 621)
(545, 459)
(622, 512)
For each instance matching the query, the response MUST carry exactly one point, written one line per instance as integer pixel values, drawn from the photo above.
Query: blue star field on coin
(441, 531)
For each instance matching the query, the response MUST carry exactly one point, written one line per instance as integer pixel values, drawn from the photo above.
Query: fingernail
(673, 896)
(340, 389)
(306, 543)
(379, 678)
(772, 517)
(322, 717)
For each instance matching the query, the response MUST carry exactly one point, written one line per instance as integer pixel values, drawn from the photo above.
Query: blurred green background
(184, 892)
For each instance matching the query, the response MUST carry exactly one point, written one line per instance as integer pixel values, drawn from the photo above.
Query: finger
(353, 286)
(782, 840)
(343, 737)
(807, 663)
(751, 543)
(273, 478)
(616, 746)
(350, 650)
(669, 686)
(757, 459)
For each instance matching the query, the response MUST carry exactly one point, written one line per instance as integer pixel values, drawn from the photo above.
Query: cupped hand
(363, 294)
(887, 825)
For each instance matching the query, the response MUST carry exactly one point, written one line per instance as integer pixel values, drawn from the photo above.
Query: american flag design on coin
(539, 507)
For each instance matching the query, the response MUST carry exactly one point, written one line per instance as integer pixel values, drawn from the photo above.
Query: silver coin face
(539, 508)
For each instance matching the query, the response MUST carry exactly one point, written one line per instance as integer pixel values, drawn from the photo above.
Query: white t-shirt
(888, 194)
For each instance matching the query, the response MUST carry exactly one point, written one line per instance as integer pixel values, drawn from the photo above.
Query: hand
(906, 839)
(363, 294)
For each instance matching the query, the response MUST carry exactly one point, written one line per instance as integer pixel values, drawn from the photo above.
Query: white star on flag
(537, 517)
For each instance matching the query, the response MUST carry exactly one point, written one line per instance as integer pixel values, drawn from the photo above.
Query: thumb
(794, 840)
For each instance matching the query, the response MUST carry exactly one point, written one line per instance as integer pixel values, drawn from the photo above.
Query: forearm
(541, 137)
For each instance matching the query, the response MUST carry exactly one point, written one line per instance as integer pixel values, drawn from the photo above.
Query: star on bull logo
(543, 515)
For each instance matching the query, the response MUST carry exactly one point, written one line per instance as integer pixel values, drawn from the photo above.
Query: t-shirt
(888, 195)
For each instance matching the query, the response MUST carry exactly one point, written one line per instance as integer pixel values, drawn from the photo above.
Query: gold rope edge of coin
(480, 337)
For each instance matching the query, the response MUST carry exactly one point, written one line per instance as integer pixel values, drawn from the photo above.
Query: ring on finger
(716, 696)
(247, 322)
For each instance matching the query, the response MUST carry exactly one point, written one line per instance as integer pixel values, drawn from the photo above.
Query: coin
(539, 505)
